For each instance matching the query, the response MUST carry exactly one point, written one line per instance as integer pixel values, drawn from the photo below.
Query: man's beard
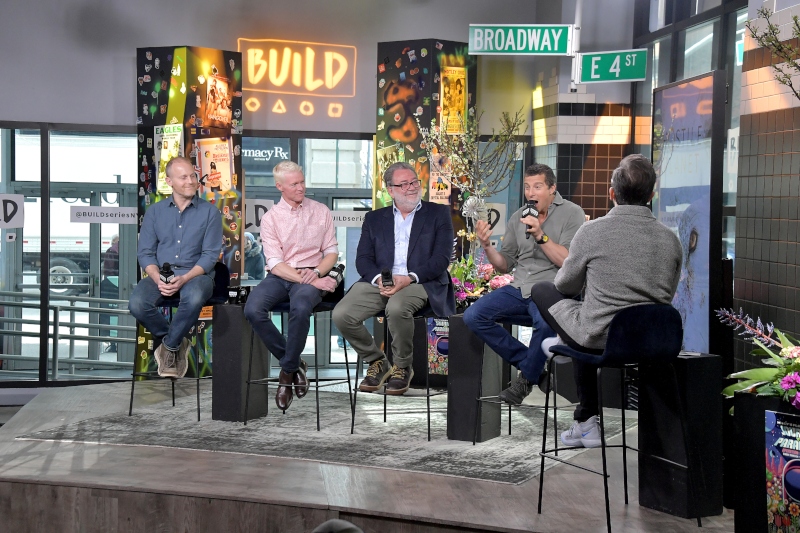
(404, 203)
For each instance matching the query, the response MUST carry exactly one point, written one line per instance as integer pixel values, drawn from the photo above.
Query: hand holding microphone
(530, 211)
(166, 274)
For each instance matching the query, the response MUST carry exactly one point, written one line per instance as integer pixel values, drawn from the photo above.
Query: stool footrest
(546, 454)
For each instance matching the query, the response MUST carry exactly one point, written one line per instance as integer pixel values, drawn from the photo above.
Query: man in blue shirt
(186, 232)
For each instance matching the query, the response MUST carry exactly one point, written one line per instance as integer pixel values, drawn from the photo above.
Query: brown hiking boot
(377, 373)
(399, 381)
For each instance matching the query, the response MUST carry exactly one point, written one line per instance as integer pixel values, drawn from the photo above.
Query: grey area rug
(400, 443)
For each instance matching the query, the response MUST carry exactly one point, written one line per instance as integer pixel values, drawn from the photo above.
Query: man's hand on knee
(324, 284)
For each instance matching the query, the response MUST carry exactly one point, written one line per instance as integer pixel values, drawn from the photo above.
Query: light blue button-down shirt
(181, 238)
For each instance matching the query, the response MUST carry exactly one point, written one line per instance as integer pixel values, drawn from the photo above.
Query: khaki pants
(364, 300)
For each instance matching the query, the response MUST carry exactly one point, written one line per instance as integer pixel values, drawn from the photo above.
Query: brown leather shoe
(300, 380)
(284, 395)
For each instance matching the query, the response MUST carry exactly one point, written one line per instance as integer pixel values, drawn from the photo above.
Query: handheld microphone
(166, 274)
(386, 278)
(337, 273)
(530, 211)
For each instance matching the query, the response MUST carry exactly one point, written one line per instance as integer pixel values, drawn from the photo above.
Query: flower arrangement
(472, 279)
(782, 375)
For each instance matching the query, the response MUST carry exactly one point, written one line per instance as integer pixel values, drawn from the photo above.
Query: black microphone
(337, 273)
(166, 274)
(386, 278)
(530, 211)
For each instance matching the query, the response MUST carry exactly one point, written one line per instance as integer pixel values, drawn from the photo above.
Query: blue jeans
(302, 299)
(506, 304)
(146, 302)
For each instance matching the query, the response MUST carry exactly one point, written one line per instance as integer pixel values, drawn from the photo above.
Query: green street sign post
(621, 65)
(520, 39)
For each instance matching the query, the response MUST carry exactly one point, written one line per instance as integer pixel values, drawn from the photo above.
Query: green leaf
(746, 384)
(794, 341)
(769, 352)
(758, 374)
(783, 338)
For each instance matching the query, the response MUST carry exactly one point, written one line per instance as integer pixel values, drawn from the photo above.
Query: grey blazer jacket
(625, 258)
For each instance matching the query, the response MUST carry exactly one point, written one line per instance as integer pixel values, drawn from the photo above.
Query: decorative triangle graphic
(279, 107)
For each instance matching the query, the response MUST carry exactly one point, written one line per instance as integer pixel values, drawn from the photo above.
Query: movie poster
(439, 189)
(216, 166)
(453, 100)
(384, 158)
(218, 103)
(168, 141)
(782, 456)
(682, 160)
(438, 344)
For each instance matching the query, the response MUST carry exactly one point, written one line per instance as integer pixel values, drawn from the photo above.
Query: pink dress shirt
(298, 236)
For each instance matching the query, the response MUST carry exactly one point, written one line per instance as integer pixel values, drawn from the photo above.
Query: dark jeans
(506, 304)
(302, 299)
(544, 294)
(146, 303)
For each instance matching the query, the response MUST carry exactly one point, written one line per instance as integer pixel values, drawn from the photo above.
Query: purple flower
(469, 285)
(790, 381)
(796, 401)
(461, 295)
(456, 281)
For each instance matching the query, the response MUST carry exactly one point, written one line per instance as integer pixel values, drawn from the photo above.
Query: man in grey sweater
(623, 259)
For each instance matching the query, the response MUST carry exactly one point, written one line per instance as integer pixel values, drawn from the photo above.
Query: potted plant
(757, 391)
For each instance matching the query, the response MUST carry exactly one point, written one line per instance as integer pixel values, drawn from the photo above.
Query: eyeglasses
(408, 185)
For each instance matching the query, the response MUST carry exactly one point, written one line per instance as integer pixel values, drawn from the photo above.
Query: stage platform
(72, 487)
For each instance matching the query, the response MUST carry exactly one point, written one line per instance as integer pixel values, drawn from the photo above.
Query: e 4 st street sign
(520, 39)
(621, 65)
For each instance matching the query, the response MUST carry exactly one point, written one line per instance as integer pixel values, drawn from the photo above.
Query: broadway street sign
(520, 39)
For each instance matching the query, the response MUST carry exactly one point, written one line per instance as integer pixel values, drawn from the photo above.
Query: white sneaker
(585, 434)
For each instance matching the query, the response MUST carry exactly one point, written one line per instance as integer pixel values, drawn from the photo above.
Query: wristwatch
(543, 240)
(319, 275)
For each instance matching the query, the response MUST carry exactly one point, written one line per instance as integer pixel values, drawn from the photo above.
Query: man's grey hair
(400, 165)
(633, 180)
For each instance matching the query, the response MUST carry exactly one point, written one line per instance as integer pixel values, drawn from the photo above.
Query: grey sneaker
(399, 381)
(583, 434)
(517, 391)
(169, 364)
(158, 355)
(183, 357)
(377, 373)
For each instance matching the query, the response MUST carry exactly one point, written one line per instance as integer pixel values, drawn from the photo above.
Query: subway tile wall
(766, 271)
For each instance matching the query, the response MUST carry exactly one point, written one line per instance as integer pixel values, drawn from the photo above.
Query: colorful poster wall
(189, 103)
(419, 80)
(782, 457)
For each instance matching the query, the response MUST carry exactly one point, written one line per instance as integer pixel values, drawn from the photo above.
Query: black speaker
(665, 487)
(231, 336)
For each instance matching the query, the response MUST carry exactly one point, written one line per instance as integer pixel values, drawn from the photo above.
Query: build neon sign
(314, 70)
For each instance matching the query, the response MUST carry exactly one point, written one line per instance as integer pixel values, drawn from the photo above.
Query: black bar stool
(219, 296)
(643, 334)
(326, 305)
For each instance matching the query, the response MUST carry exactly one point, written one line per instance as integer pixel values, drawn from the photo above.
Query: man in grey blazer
(623, 259)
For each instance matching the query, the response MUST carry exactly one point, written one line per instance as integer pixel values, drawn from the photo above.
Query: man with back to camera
(300, 249)
(623, 259)
(535, 247)
(403, 255)
(185, 231)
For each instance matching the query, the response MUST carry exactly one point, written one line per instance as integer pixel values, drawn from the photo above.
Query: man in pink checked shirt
(300, 249)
